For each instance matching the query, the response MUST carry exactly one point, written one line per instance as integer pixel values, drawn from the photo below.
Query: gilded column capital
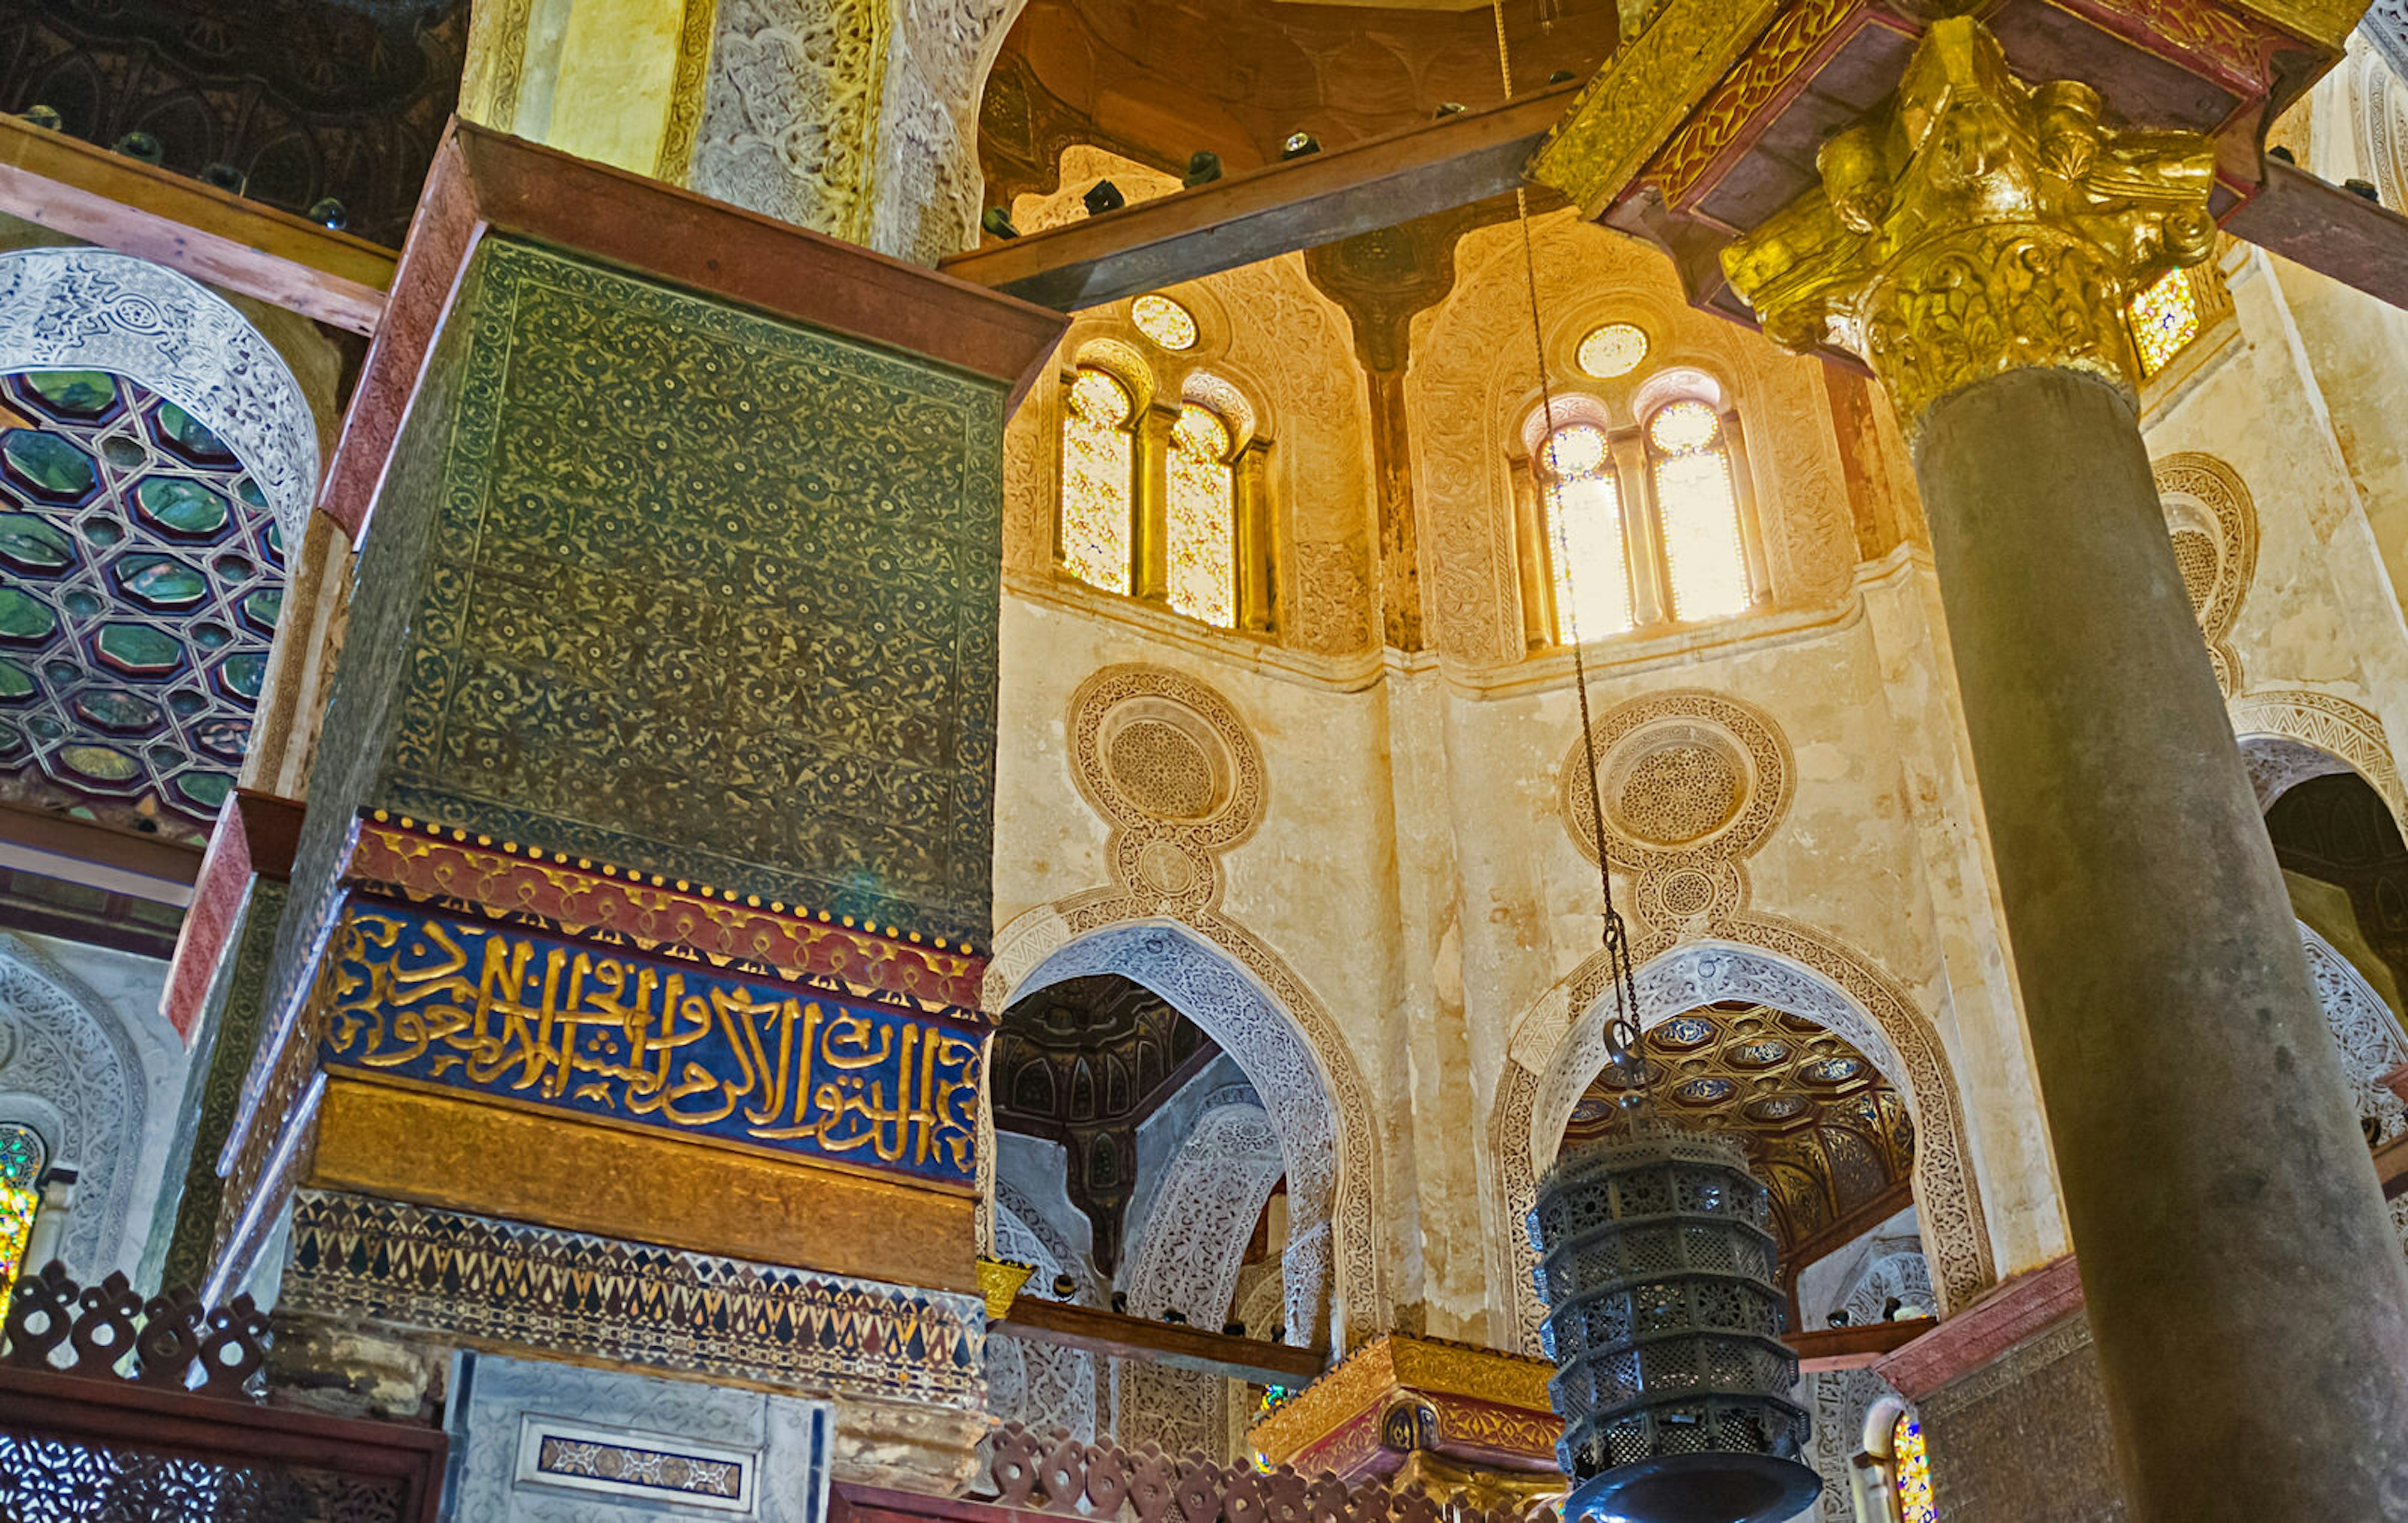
(1979, 226)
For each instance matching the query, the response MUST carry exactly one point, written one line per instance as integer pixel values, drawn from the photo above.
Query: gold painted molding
(1392, 1364)
(1980, 225)
(459, 1153)
(1642, 96)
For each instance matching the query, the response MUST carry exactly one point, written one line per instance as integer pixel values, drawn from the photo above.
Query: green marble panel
(694, 590)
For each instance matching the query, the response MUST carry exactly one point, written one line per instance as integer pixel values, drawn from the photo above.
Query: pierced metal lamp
(1665, 1327)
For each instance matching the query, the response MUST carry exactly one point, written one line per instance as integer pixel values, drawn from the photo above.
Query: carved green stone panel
(687, 589)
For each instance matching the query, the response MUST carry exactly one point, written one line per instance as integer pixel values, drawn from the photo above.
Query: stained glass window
(2165, 317)
(1096, 457)
(22, 1156)
(141, 582)
(1203, 515)
(1613, 350)
(1914, 1472)
(1699, 509)
(1164, 321)
(1590, 570)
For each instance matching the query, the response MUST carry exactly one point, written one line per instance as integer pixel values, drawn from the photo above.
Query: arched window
(1635, 525)
(1162, 472)
(1203, 518)
(1591, 573)
(1098, 479)
(22, 1156)
(1698, 507)
(2165, 318)
(1913, 1469)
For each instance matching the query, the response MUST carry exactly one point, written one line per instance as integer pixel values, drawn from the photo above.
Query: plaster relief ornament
(1980, 226)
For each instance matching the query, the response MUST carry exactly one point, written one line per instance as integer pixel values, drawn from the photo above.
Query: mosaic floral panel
(686, 589)
(143, 580)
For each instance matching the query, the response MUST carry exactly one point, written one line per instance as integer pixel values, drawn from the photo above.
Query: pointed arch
(1283, 1037)
(67, 1068)
(1558, 1046)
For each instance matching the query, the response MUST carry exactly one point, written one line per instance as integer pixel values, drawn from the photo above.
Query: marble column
(2246, 1294)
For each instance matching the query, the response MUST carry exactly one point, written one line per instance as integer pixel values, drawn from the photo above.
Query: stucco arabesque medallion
(1694, 783)
(2213, 522)
(1167, 762)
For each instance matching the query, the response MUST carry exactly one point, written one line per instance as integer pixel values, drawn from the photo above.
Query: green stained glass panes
(1202, 519)
(101, 764)
(242, 675)
(138, 650)
(1698, 504)
(117, 710)
(205, 791)
(36, 545)
(1585, 559)
(12, 740)
(74, 393)
(24, 619)
(162, 581)
(51, 465)
(262, 609)
(182, 507)
(185, 434)
(1095, 458)
(145, 554)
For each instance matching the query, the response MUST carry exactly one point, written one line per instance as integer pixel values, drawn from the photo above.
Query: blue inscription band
(497, 1010)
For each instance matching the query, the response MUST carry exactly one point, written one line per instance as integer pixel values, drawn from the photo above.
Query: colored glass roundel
(2165, 317)
(1612, 351)
(1164, 321)
(141, 580)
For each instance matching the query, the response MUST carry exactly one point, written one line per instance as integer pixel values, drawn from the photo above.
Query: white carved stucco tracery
(1040, 1386)
(2333, 726)
(76, 308)
(59, 1046)
(1193, 1241)
(2363, 1029)
(790, 110)
(2384, 27)
(1204, 984)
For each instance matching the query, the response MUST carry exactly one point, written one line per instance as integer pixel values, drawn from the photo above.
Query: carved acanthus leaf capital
(1979, 226)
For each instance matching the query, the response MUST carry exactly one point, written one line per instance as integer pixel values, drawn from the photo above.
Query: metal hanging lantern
(1664, 1326)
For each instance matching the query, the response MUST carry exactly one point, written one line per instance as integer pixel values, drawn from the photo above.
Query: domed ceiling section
(143, 577)
(1157, 80)
(1824, 1131)
(1083, 1063)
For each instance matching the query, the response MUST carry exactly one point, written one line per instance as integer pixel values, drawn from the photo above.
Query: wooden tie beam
(1261, 213)
(1265, 1363)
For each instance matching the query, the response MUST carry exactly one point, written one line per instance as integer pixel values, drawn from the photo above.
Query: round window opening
(1164, 321)
(1613, 351)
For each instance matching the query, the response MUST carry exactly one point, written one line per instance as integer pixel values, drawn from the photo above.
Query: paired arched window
(1638, 525)
(1162, 500)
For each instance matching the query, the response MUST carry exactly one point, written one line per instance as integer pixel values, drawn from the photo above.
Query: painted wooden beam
(1279, 208)
(2329, 230)
(113, 861)
(1043, 1321)
(1856, 1348)
(213, 236)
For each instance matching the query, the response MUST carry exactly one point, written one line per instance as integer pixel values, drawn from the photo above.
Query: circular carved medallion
(1685, 773)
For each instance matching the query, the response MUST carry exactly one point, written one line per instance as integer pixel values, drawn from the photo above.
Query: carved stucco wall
(1474, 379)
(88, 1062)
(1268, 331)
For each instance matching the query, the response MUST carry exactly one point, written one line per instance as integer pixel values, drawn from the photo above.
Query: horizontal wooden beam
(1856, 1348)
(1279, 208)
(1796, 1256)
(64, 183)
(2329, 230)
(1264, 1363)
(96, 857)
